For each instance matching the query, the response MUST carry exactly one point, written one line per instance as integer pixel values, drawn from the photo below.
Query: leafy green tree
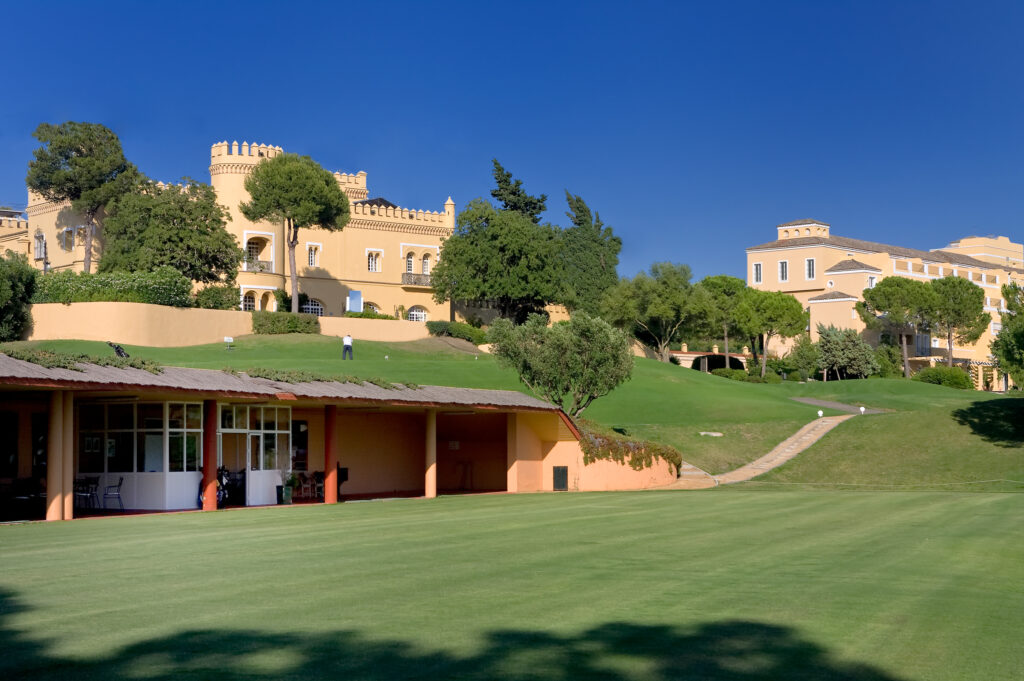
(655, 307)
(590, 254)
(900, 306)
(296, 190)
(499, 257)
(1008, 345)
(570, 364)
(958, 311)
(513, 197)
(82, 163)
(805, 356)
(178, 226)
(725, 293)
(17, 285)
(845, 352)
(770, 314)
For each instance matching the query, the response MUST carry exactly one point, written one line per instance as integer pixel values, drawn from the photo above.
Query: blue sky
(693, 128)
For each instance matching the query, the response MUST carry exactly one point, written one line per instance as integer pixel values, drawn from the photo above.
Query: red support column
(210, 455)
(330, 454)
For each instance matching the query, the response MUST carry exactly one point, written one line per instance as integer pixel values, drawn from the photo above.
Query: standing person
(347, 341)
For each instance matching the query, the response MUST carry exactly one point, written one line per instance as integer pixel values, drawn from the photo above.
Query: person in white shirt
(347, 341)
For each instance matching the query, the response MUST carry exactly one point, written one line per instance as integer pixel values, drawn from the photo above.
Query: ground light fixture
(820, 413)
(862, 411)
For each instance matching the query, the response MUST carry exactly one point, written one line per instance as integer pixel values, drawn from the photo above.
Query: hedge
(954, 377)
(741, 375)
(218, 298)
(264, 322)
(458, 330)
(163, 286)
(369, 314)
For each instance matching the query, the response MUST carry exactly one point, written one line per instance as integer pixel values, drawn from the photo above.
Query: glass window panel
(90, 453)
(177, 453)
(176, 415)
(120, 452)
(284, 418)
(194, 416)
(241, 418)
(269, 419)
(284, 453)
(151, 416)
(255, 420)
(120, 416)
(192, 462)
(150, 453)
(227, 418)
(254, 452)
(91, 416)
(269, 453)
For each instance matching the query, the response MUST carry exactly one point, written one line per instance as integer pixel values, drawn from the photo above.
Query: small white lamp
(862, 411)
(820, 413)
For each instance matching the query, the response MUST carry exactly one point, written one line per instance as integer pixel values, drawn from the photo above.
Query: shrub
(368, 314)
(890, 361)
(17, 285)
(218, 297)
(954, 377)
(284, 301)
(458, 330)
(264, 322)
(731, 374)
(772, 377)
(162, 286)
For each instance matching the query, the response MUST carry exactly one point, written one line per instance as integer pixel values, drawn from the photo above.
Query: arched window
(40, 247)
(314, 256)
(426, 264)
(373, 307)
(417, 314)
(313, 306)
(409, 260)
(373, 261)
(253, 249)
(249, 302)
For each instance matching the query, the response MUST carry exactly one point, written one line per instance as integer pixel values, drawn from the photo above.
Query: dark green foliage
(805, 357)
(590, 254)
(900, 306)
(218, 297)
(264, 322)
(845, 352)
(741, 375)
(958, 311)
(512, 197)
(732, 374)
(298, 376)
(599, 443)
(501, 258)
(63, 360)
(724, 294)
(179, 226)
(458, 330)
(163, 286)
(82, 163)
(365, 314)
(890, 364)
(284, 301)
(570, 364)
(655, 307)
(296, 190)
(1008, 346)
(17, 286)
(951, 377)
(769, 314)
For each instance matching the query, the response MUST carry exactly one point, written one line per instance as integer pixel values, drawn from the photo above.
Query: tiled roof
(796, 223)
(92, 377)
(873, 247)
(378, 201)
(831, 295)
(850, 264)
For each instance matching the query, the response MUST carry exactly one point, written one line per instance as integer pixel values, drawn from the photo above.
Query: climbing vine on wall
(598, 444)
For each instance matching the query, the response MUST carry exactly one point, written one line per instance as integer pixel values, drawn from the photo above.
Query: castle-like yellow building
(382, 259)
(829, 273)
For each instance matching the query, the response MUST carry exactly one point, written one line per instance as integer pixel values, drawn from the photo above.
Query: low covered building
(151, 435)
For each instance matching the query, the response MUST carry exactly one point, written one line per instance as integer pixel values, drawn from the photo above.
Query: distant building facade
(828, 275)
(381, 260)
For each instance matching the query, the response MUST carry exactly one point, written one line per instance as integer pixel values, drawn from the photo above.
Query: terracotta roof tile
(832, 295)
(850, 264)
(873, 247)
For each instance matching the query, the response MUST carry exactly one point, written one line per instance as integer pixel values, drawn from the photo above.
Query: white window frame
(377, 262)
(417, 313)
(410, 263)
(313, 253)
(758, 273)
(425, 264)
(783, 269)
(872, 280)
(810, 268)
(313, 306)
(40, 247)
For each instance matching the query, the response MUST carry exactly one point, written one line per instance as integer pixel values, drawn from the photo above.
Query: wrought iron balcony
(413, 279)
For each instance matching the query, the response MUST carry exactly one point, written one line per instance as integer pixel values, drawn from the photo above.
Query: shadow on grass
(718, 651)
(999, 421)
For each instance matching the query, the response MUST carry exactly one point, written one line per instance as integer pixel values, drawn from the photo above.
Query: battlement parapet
(13, 224)
(232, 152)
(372, 212)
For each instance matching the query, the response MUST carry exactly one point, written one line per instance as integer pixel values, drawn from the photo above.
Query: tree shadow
(999, 421)
(616, 651)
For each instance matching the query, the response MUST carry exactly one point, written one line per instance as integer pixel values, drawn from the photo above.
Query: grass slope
(613, 586)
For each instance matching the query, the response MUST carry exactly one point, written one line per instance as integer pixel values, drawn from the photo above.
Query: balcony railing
(413, 279)
(258, 265)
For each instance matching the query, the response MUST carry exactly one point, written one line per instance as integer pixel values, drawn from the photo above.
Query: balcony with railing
(414, 279)
(254, 265)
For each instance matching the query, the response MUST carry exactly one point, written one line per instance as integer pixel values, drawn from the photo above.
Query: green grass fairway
(640, 586)
(662, 402)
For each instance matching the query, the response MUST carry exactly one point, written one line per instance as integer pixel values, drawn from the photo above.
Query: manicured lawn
(651, 585)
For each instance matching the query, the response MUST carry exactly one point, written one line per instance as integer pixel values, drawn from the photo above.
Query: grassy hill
(934, 437)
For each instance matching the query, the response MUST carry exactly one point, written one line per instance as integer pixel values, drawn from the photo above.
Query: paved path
(785, 450)
(838, 406)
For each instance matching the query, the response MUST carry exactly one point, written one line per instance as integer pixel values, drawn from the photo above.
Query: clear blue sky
(693, 128)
